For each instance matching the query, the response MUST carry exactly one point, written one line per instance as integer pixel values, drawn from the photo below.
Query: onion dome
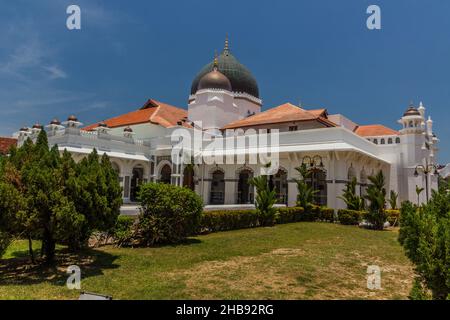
(214, 80)
(411, 111)
(37, 126)
(72, 118)
(55, 122)
(128, 129)
(240, 77)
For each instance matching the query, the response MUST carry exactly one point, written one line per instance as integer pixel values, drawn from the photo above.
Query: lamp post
(426, 170)
(312, 161)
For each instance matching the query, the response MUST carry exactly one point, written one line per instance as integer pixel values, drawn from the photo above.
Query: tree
(425, 235)
(419, 190)
(56, 200)
(265, 199)
(305, 197)
(351, 199)
(376, 195)
(393, 200)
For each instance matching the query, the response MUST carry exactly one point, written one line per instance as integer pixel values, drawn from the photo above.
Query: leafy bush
(122, 232)
(425, 235)
(289, 214)
(326, 214)
(169, 214)
(223, 220)
(393, 217)
(350, 217)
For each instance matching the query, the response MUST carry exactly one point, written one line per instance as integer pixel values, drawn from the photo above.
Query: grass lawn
(291, 261)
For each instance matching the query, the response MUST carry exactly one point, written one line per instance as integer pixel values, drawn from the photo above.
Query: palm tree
(376, 194)
(351, 199)
(265, 199)
(418, 192)
(393, 200)
(305, 197)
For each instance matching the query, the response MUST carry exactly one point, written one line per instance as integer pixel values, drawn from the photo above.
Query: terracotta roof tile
(284, 113)
(152, 112)
(6, 143)
(374, 130)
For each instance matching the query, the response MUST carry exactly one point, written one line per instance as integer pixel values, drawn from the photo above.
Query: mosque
(225, 96)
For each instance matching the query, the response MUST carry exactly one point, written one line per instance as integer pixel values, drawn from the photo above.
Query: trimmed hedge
(350, 217)
(326, 214)
(289, 214)
(393, 217)
(223, 220)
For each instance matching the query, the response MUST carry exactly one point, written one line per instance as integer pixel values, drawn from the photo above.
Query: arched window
(397, 140)
(188, 177)
(278, 182)
(217, 193)
(375, 141)
(363, 182)
(411, 124)
(166, 174)
(351, 173)
(136, 180)
(390, 141)
(317, 180)
(382, 141)
(245, 190)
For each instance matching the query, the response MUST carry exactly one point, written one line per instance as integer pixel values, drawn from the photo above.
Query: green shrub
(289, 214)
(350, 217)
(122, 232)
(393, 216)
(425, 235)
(223, 220)
(169, 214)
(311, 213)
(326, 214)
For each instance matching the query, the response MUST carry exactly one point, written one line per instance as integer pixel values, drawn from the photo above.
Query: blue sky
(318, 52)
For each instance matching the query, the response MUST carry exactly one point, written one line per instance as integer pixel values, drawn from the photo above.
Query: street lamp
(426, 170)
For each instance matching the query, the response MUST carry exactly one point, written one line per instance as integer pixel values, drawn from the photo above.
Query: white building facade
(224, 97)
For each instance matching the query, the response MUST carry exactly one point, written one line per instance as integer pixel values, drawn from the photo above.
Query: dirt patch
(289, 273)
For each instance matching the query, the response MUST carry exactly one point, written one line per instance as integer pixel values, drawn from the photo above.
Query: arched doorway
(245, 190)
(318, 181)
(166, 174)
(217, 194)
(136, 181)
(278, 182)
(188, 177)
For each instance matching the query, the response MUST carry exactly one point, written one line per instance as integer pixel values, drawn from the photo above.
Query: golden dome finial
(216, 62)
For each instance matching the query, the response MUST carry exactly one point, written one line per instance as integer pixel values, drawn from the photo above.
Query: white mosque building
(225, 96)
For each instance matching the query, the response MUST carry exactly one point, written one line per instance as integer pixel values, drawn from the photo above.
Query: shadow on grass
(19, 271)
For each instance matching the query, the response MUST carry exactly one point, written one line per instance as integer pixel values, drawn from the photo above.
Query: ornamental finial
(226, 48)
(216, 63)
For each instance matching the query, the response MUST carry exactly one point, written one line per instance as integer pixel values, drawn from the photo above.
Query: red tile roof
(374, 130)
(284, 113)
(6, 143)
(152, 112)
